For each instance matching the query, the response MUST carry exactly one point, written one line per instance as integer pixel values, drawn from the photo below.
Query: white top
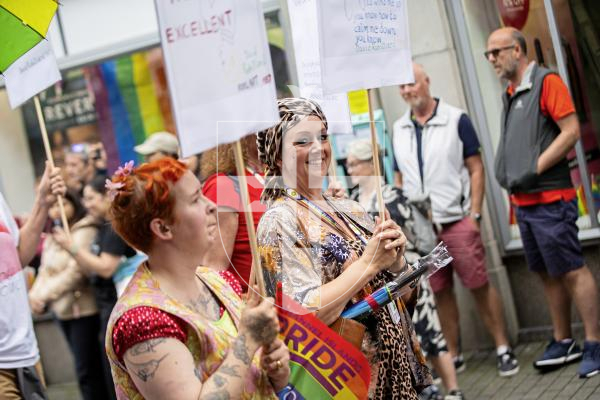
(18, 346)
(445, 176)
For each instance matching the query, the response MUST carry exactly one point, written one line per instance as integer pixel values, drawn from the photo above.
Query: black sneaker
(455, 395)
(558, 354)
(431, 392)
(459, 363)
(507, 364)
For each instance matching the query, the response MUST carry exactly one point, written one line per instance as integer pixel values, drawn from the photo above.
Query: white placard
(303, 21)
(31, 73)
(218, 68)
(364, 44)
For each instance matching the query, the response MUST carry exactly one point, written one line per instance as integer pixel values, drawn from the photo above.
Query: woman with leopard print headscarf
(328, 253)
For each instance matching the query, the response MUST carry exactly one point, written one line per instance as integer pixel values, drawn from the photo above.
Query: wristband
(283, 393)
(73, 250)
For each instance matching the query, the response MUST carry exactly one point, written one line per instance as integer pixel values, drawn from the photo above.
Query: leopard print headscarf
(269, 142)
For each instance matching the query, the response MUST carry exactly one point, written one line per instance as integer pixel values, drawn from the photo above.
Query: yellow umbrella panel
(23, 24)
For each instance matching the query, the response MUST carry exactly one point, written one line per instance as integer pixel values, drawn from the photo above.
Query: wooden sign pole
(256, 273)
(42, 122)
(376, 162)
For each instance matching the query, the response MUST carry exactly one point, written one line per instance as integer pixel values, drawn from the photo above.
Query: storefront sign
(69, 109)
(303, 21)
(219, 70)
(363, 44)
(514, 12)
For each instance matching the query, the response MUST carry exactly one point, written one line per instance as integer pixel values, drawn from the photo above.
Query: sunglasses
(496, 52)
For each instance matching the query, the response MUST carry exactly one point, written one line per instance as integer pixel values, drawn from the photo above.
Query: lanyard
(324, 216)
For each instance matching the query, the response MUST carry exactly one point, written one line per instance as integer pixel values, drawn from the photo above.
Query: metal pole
(579, 151)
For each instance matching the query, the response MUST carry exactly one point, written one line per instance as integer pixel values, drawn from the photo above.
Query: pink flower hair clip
(112, 188)
(125, 170)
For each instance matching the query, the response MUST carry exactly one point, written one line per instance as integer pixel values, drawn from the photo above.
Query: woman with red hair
(179, 330)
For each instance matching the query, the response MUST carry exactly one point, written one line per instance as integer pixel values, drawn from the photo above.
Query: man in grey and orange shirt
(539, 128)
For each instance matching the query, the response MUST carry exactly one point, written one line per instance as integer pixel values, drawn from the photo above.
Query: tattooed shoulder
(231, 370)
(145, 370)
(240, 351)
(218, 395)
(219, 380)
(148, 346)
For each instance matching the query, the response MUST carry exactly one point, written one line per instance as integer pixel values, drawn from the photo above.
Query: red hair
(145, 195)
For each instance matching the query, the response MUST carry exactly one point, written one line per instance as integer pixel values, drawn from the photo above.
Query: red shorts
(464, 244)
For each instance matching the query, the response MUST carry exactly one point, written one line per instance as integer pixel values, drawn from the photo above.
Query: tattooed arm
(164, 368)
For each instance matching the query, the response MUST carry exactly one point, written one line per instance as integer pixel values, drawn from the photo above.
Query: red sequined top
(144, 323)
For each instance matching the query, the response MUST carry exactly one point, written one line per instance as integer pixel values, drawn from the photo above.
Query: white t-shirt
(18, 346)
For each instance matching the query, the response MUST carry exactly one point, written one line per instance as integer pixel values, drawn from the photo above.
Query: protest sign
(364, 44)
(218, 69)
(303, 21)
(31, 73)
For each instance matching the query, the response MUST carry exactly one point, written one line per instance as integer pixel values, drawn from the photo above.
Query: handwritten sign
(31, 73)
(303, 21)
(363, 44)
(218, 68)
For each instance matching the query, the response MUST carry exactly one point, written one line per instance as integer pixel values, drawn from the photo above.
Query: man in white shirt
(19, 355)
(437, 152)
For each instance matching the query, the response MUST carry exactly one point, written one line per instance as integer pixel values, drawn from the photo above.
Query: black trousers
(82, 335)
(105, 311)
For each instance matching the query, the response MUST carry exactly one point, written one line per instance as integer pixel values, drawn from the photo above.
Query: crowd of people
(151, 284)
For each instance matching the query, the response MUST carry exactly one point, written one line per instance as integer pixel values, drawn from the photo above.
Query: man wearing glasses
(539, 128)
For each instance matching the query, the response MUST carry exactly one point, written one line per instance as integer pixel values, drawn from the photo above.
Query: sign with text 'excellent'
(364, 44)
(303, 21)
(218, 68)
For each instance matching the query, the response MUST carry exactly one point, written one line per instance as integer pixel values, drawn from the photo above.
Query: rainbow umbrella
(23, 24)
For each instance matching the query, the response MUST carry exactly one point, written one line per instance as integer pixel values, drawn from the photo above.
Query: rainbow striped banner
(129, 106)
(323, 364)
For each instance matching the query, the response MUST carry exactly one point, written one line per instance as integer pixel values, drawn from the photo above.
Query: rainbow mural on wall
(131, 101)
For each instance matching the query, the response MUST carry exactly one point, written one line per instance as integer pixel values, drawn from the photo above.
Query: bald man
(539, 128)
(437, 152)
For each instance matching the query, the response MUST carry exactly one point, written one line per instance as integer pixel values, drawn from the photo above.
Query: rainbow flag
(323, 364)
(129, 103)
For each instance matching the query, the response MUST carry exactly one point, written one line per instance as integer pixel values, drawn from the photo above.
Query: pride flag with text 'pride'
(323, 364)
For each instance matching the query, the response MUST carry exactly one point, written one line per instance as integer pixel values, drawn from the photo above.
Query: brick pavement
(480, 381)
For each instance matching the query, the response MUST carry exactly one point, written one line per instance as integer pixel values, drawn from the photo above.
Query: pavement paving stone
(583, 393)
(65, 391)
(481, 381)
(572, 387)
(560, 383)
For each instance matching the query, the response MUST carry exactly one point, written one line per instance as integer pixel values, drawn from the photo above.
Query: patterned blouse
(304, 253)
